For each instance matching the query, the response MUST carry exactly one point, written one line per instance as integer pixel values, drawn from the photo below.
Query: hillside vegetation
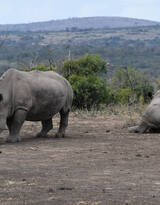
(137, 47)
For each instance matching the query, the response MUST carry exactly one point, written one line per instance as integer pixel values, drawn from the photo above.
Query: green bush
(131, 86)
(124, 96)
(86, 65)
(90, 89)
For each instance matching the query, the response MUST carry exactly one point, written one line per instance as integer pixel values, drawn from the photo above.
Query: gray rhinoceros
(33, 96)
(150, 120)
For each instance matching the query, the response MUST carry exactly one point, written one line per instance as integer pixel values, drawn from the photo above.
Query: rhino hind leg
(63, 123)
(47, 125)
(14, 125)
(141, 128)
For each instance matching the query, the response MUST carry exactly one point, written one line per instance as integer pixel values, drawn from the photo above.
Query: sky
(27, 11)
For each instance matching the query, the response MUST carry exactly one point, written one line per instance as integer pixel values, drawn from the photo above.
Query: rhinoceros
(33, 96)
(150, 120)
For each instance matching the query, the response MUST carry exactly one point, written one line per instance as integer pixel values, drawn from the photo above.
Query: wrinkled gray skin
(33, 96)
(151, 118)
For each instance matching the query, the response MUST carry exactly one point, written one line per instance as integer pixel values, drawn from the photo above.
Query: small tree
(132, 83)
(86, 65)
(88, 86)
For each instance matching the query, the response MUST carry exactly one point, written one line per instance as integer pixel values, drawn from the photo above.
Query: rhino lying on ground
(33, 96)
(150, 120)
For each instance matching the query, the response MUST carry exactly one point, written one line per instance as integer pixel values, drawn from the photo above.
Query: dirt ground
(98, 163)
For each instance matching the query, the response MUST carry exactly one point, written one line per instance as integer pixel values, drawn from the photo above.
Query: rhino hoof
(13, 139)
(59, 135)
(41, 135)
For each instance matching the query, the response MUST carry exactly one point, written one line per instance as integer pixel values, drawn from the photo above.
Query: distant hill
(120, 41)
(73, 24)
(137, 47)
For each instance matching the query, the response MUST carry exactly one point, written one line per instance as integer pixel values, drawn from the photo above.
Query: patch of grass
(131, 114)
(134, 111)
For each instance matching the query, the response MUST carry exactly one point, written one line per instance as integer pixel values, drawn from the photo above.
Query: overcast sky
(27, 11)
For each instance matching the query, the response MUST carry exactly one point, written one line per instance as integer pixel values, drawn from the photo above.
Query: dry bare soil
(98, 163)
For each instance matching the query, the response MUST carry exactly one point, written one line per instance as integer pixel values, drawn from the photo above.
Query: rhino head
(3, 113)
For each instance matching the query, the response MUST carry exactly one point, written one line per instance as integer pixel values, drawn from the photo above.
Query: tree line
(92, 89)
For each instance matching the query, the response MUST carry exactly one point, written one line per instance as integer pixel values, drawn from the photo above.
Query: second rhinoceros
(150, 120)
(33, 96)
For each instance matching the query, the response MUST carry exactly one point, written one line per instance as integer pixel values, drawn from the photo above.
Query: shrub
(132, 86)
(90, 89)
(86, 65)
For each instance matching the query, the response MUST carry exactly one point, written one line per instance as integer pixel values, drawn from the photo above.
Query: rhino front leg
(9, 123)
(47, 125)
(63, 123)
(14, 125)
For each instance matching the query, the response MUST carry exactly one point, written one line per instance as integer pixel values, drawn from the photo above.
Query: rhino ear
(1, 97)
